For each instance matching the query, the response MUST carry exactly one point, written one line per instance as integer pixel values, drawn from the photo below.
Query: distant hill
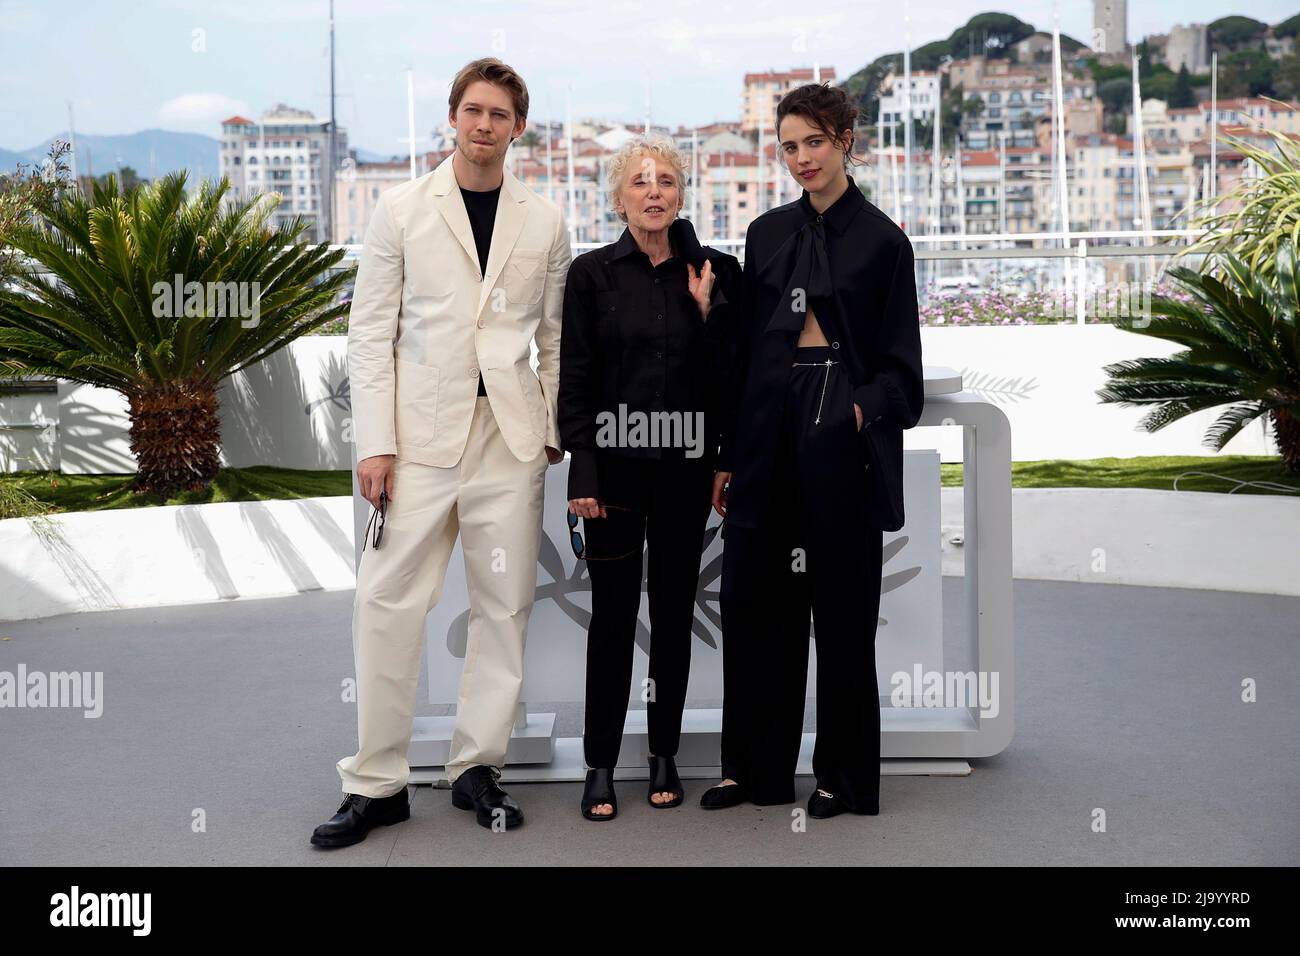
(150, 152)
(992, 34)
(8, 159)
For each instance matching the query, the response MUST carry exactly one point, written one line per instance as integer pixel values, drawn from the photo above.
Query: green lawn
(54, 493)
(100, 492)
(1149, 472)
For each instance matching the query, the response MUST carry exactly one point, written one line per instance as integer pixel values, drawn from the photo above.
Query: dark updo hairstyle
(829, 108)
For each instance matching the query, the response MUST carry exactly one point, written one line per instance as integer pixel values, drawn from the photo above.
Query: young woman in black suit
(812, 471)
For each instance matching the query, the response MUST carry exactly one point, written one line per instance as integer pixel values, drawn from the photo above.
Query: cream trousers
(494, 501)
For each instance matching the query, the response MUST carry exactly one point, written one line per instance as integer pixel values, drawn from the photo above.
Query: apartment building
(925, 97)
(359, 185)
(1017, 101)
(285, 151)
(762, 91)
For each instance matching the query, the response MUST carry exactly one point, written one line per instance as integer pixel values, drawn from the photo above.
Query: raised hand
(701, 286)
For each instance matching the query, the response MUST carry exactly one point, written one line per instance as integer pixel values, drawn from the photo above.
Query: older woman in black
(644, 345)
(813, 471)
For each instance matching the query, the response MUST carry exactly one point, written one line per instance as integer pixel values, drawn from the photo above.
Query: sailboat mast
(333, 142)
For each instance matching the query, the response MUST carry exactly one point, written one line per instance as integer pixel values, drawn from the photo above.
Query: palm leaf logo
(707, 622)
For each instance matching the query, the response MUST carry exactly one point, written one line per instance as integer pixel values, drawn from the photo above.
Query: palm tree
(104, 313)
(1242, 338)
(1262, 210)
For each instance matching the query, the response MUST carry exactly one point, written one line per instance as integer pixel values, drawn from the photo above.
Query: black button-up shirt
(853, 268)
(633, 336)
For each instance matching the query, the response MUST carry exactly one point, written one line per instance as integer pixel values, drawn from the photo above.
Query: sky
(186, 65)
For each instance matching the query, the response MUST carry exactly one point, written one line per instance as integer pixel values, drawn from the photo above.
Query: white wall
(292, 410)
(28, 440)
(1045, 378)
(176, 554)
(145, 557)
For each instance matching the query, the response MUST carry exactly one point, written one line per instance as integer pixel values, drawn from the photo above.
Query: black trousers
(662, 508)
(815, 553)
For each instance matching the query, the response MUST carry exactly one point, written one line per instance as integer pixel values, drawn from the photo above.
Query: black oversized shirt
(632, 335)
(853, 267)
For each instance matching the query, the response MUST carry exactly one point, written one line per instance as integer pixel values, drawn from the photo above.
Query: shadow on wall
(92, 591)
(293, 410)
(196, 534)
(280, 545)
(29, 417)
(334, 536)
(94, 431)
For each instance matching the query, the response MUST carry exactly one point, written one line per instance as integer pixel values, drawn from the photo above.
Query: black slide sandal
(598, 789)
(664, 779)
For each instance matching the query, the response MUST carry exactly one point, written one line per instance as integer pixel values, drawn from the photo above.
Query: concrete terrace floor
(1128, 699)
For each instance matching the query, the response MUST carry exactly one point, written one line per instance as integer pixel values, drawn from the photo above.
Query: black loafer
(664, 779)
(358, 815)
(723, 796)
(476, 789)
(598, 789)
(823, 804)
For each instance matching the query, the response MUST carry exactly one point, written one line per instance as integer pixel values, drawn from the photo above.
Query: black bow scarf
(799, 263)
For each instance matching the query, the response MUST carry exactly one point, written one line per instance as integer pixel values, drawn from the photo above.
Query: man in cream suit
(462, 270)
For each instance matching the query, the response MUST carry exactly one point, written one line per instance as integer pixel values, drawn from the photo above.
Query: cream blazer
(424, 325)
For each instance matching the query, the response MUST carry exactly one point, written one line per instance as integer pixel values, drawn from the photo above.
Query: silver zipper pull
(818, 419)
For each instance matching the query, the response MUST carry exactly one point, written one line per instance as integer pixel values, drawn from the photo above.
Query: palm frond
(1241, 344)
(98, 315)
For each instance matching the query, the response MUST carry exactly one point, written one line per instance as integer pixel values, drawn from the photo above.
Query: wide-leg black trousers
(814, 556)
(660, 506)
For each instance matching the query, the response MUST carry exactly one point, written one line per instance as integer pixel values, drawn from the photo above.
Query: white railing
(1070, 271)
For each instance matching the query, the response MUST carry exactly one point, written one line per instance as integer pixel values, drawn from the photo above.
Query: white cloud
(200, 112)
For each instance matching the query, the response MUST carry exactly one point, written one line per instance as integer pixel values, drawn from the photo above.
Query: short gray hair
(616, 166)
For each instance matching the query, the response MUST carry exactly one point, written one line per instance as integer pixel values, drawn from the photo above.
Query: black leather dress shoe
(358, 815)
(664, 779)
(721, 797)
(476, 789)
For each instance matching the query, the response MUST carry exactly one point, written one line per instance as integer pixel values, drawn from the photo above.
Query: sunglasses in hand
(575, 536)
(380, 513)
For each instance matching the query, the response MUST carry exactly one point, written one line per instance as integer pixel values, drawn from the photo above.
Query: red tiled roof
(1241, 102)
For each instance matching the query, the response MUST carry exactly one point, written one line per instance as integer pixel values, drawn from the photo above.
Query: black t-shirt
(482, 210)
